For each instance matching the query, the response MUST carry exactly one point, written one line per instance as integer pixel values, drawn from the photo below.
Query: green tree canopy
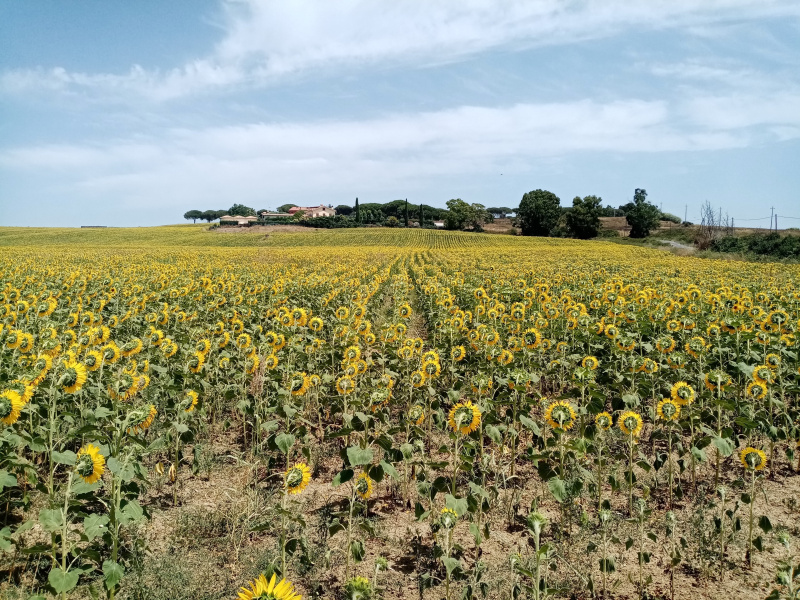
(240, 210)
(285, 207)
(583, 221)
(642, 216)
(499, 212)
(343, 209)
(193, 215)
(461, 215)
(539, 212)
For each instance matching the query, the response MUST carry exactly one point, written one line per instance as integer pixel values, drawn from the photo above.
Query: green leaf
(390, 470)
(493, 433)
(557, 488)
(95, 526)
(131, 513)
(451, 564)
(180, 427)
(284, 441)
(473, 529)
(63, 581)
(459, 505)
(7, 480)
(357, 550)
(64, 458)
(359, 456)
(723, 445)
(113, 573)
(764, 523)
(51, 519)
(342, 477)
(530, 424)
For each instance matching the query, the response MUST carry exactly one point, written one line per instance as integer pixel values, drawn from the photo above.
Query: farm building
(237, 220)
(314, 211)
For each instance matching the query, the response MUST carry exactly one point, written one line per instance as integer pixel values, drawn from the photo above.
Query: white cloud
(312, 159)
(265, 41)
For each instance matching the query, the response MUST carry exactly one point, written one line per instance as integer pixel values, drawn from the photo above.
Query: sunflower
(90, 464)
(203, 346)
(763, 374)
(342, 313)
(416, 414)
(532, 338)
(260, 589)
(190, 398)
(315, 324)
(464, 418)
(296, 479)
(271, 362)
(363, 486)
(345, 385)
(299, 384)
(405, 311)
(10, 407)
(756, 390)
(196, 362)
(649, 366)
(560, 415)
(141, 419)
(682, 393)
(668, 409)
(252, 363)
(42, 365)
(93, 360)
(352, 353)
(458, 353)
(603, 421)
(74, 376)
(131, 348)
(418, 378)
(753, 459)
(773, 361)
(590, 362)
(431, 369)
(448, 518)
(630, 423)
(111, 353)
(506, 357)
(243, 341)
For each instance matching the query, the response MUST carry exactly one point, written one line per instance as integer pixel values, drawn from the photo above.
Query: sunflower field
(393, 414)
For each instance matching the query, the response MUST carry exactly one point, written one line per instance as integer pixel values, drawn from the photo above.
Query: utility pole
(771, 216)
(776, 223)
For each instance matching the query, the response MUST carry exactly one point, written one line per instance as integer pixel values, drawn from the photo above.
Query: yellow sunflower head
(416, 414)
(464, 418)
(682, 393)
(590, 362)
(363, 486)
(753, 459)
(90, 464)
(448, 518)
(190, 400)
(296, 479)
(74, 376)
(261, 589)
(630, 423)
(10, 407)
(560, 415)
(668, 409)
(603, 421)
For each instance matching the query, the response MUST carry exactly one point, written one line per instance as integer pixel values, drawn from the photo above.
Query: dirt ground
(203, 530)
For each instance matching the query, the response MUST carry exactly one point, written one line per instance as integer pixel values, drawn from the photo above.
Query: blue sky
(132, 113)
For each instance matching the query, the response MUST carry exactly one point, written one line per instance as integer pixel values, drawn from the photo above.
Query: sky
(132, 113)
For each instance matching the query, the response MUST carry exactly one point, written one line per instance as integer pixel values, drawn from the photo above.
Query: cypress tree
(358, 212)
(422, 215)
(406, 215)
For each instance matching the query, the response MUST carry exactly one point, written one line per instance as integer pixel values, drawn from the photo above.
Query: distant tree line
(237, 210)
(540, 213)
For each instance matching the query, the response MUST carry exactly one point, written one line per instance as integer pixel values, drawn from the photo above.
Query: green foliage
(344, 209)
(771, 244)
(539, 212)
(193, 215)
(583, 221)
(240, 210)
(642, 216)
(462, 215)
(358, 211)
(285, 207)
